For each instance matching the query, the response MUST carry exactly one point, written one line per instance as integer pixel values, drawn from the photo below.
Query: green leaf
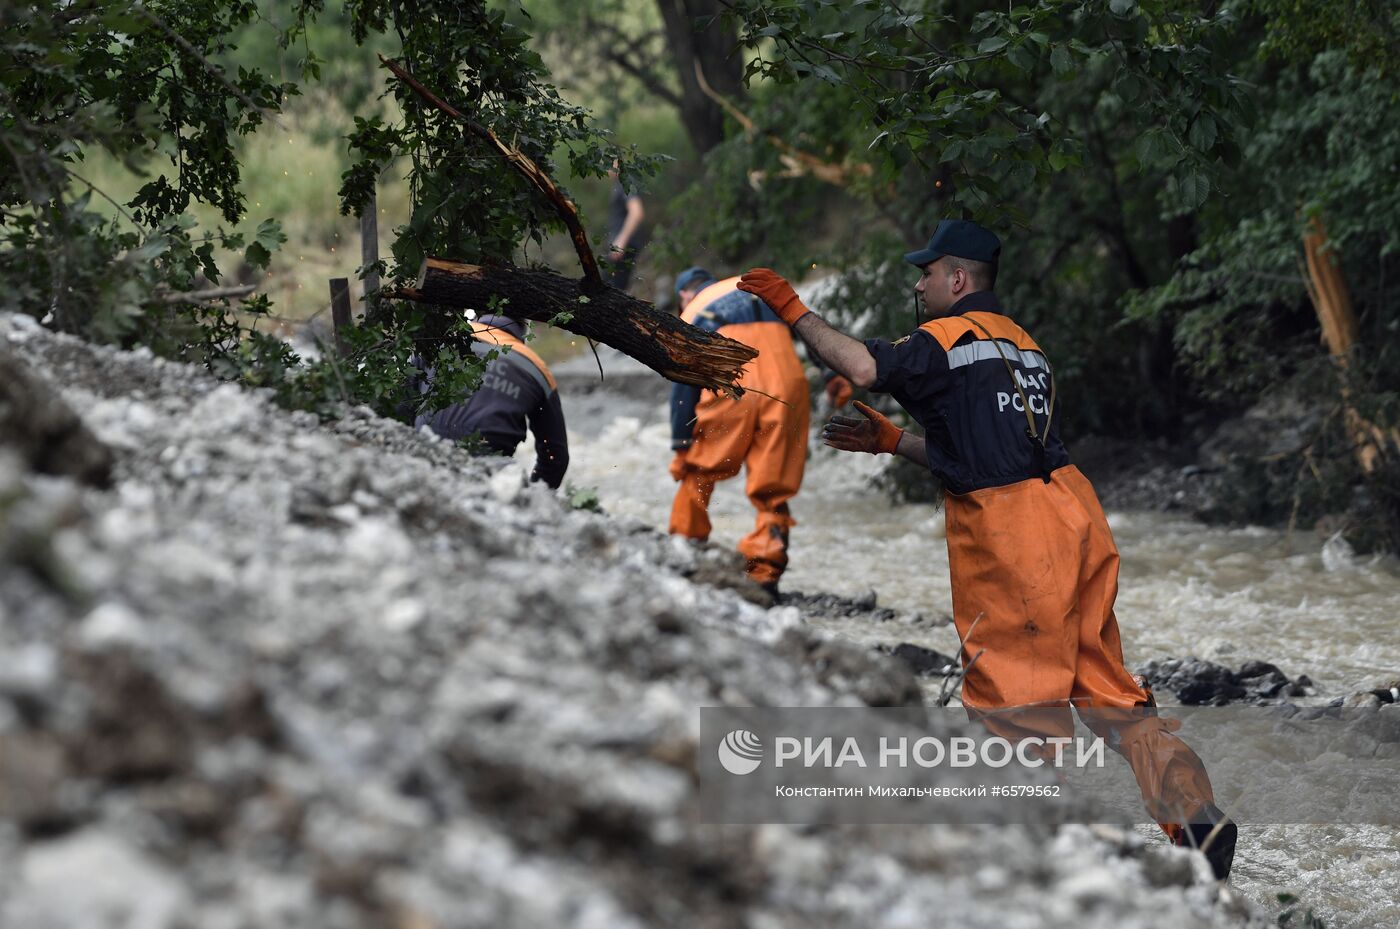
(1202, 132)
(992, 44)
(1193, 189)
(1021, 56)
(583, 498)
(151, 250)
(270, 235)
(1151, 147)
(257, 255)
(1129, 87)
(1061, 60)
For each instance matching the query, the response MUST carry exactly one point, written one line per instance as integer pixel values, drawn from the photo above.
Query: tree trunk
(676, 350)
(714, 50)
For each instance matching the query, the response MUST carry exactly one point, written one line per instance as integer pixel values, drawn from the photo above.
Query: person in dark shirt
(1033, 564)
(517, 389)
(626, 234)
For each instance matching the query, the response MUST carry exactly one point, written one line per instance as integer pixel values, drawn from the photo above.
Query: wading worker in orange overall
(1033, 564)
(765, 430)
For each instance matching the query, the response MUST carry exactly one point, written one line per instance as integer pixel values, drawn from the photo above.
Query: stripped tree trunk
(1331, 299)
(674, 349)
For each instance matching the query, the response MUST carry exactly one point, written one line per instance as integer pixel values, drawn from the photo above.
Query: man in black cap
(1033, 565)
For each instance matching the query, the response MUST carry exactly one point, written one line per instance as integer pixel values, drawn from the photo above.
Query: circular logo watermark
(740, 752)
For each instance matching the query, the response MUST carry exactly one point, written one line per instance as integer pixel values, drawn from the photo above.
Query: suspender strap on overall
(1037, 437)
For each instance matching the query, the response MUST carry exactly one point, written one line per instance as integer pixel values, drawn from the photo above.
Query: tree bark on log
(676, 350)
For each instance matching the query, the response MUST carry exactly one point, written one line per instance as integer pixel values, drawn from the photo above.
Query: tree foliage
(161, 87)
(85, 76)
(467, 204)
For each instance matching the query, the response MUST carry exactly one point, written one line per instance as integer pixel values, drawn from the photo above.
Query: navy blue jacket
(516, 390)
(949, 375)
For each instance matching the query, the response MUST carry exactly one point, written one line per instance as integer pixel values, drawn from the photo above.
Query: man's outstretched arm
(836, 349)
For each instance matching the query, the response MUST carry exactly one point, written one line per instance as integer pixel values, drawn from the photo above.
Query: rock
(1193, 681)
(93, 878)
(836, 606)
(924, 661)
(507, 483)
(1196, 682)
(31, 670)
(877, 680)
(111, 624)
(49, 436)
(1387, 691)
(1383, 693)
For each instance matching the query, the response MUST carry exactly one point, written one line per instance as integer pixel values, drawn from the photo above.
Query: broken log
(676, 350)
(1331, 300)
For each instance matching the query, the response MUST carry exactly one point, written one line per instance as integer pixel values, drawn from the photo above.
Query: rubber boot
(1214, 834)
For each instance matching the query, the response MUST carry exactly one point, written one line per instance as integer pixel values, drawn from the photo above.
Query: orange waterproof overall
(767, 435)
(1036, 561)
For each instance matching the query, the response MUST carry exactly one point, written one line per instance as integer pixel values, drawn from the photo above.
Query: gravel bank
(283, 673)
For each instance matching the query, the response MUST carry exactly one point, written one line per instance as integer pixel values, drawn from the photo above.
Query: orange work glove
(874, 434)
(839, 391)
(679, 466)
(770, 287)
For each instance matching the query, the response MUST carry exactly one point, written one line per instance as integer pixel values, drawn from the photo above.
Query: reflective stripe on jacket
(953, 380)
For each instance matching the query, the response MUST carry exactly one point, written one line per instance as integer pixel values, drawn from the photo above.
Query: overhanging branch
(676, 350)
(523, 164)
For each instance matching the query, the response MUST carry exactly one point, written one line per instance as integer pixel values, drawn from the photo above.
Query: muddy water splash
(1227, 595)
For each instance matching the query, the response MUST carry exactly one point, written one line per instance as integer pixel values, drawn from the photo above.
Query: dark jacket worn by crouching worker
(517, 390)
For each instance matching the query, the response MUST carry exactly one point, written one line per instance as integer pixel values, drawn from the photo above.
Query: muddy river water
(1303, 603)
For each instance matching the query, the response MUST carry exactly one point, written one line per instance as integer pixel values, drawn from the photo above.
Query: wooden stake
(340, 313)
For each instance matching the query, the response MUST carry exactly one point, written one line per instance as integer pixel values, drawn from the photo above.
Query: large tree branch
(676, 350)
(526, 166)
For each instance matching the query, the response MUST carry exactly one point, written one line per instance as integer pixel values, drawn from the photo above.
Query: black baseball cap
(961, 239)
(691, 277)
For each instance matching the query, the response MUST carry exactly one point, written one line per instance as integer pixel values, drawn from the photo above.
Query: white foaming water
(1228, 595)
